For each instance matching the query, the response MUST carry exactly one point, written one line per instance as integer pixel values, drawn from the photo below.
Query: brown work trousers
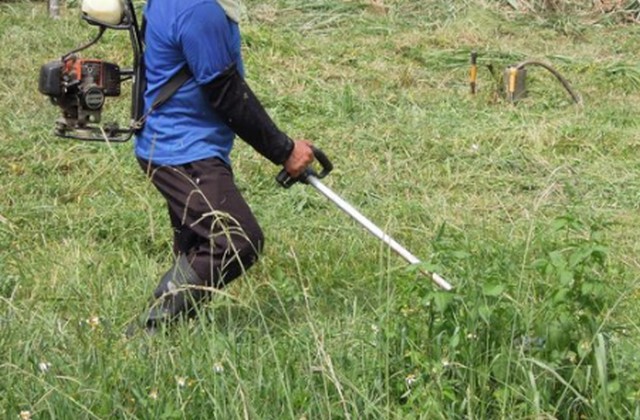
(212, 223)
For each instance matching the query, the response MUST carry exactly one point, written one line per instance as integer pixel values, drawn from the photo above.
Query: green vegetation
(531, 211)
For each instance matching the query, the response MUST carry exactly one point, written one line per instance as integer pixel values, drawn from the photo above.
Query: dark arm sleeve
(204, 35)
(231, 97)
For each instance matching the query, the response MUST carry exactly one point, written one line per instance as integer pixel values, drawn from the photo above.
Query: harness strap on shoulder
(166, 91)
(170, 87)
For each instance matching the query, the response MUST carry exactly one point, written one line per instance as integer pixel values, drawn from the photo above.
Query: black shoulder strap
(170, 87)
(167, 90)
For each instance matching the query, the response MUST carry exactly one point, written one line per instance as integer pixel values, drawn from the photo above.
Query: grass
(529, 210)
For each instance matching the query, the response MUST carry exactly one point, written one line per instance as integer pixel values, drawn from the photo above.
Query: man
(185, 144)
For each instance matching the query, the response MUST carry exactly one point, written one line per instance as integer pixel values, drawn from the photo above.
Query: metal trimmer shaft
(375, 230)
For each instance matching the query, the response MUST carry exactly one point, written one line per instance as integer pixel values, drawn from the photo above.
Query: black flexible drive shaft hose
(87, 45)
(555, 72)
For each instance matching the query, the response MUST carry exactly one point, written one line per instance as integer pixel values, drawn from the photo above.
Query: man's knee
(253, 244)
(242, 245)
(230, 258)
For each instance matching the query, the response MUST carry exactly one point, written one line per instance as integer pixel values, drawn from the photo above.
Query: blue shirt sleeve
(205, 35)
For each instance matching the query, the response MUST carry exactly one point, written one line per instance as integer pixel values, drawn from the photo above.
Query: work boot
(179, 292)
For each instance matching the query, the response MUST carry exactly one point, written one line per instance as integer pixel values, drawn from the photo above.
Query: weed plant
(530, 210)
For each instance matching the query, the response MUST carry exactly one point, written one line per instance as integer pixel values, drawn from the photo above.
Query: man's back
(196, 33)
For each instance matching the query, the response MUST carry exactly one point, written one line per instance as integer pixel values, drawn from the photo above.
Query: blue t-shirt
(185, 128)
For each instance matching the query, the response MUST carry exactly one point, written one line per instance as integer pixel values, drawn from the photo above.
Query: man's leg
(216, 236)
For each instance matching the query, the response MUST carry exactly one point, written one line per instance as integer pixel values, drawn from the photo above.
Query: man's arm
(231, 97)
(207, 42)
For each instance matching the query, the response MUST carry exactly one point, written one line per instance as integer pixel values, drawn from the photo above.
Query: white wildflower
(25, 415)
(93, 322)
(44, 366)
(153, 394)
(218, 367)
(410, 380)
(181, 381)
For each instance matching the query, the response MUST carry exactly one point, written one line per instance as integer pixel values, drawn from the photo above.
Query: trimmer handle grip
(286, 181)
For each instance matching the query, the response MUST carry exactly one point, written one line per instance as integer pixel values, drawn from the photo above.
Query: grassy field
(531, 211)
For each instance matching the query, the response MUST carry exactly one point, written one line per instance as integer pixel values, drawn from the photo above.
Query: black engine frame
(84, 127)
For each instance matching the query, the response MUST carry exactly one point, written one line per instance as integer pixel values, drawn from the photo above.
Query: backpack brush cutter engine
(80, 86)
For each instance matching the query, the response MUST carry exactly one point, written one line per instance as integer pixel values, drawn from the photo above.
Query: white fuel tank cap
(107, 11)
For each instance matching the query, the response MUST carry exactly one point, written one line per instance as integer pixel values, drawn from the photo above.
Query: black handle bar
(285, 180)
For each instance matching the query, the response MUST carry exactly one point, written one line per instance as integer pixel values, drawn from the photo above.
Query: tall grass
(529, 210)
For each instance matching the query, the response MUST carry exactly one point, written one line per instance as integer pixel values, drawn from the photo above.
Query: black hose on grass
(577, 99)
